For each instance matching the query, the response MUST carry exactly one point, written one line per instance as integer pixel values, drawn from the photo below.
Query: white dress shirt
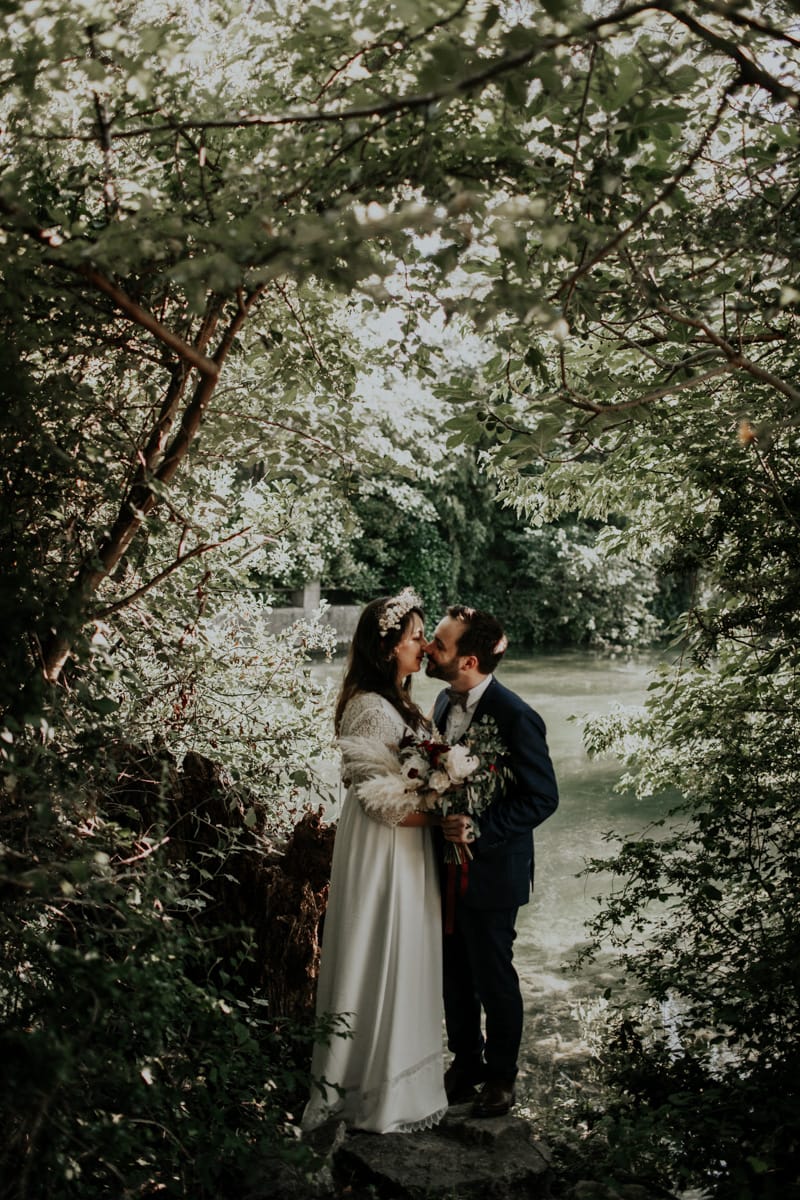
(459, 719)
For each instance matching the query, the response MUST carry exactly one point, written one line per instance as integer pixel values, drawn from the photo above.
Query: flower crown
(396, 608)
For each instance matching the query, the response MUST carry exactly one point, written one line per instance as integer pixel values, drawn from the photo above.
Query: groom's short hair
(482, 636)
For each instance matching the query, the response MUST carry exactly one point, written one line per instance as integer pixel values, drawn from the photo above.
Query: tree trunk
(141, 498)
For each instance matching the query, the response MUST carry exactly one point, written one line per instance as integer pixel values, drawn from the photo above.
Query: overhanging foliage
(198, 204)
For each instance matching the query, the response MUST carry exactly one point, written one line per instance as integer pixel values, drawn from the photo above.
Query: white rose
(459, 763)
(439, 781)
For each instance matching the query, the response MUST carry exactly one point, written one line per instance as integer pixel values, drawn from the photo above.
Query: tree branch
(749, 73)
(569, 283)
(577, 400)
(140, 500)
(158, 437)
(729, 12)
(493, 69)
(141, 316)
(194, 413)
(205, 548)
(51, 238)
(736, 360)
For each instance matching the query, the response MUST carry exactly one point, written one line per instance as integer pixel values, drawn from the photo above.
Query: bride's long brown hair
(372, 667)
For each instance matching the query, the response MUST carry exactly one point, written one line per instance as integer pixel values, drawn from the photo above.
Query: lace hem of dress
(418, 1126)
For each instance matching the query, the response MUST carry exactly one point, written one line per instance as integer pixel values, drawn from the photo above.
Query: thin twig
(126, 862)
(649, 397)
(735, 358)
(205, 548)
(396, 45)
(298, 317)
(581, 116)
(775, 485)
(301, 434)
(110, 197)
(569, 283)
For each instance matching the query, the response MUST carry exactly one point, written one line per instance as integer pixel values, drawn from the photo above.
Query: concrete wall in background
(342, 617)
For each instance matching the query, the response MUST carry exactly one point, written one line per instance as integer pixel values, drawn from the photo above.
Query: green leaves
(593, 253)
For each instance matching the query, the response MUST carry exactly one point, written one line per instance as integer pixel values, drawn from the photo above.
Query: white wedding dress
(381, 961)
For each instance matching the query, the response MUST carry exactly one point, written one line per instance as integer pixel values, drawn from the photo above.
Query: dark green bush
(137, 1058)
(691, 1115)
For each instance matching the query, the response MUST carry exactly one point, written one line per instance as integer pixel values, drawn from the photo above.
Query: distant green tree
(556, 588)
(551, 587)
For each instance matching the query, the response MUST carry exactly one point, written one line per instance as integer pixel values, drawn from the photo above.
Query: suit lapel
(484, 705)
(441, 710)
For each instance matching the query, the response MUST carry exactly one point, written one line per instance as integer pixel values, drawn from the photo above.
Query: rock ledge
(461, 1159)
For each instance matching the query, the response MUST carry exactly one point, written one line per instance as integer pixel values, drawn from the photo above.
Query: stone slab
(462, 1159)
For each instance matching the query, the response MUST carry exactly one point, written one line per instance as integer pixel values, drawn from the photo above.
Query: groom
(479, 972)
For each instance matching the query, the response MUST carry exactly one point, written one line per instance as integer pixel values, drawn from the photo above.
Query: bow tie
(457, 699)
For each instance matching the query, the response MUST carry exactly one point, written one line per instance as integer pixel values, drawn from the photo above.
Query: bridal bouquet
(427, 775)
(487, 749)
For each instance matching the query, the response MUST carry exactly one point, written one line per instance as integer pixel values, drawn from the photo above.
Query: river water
(564, 688)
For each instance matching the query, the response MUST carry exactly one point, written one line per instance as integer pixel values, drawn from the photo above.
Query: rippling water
(564, 689)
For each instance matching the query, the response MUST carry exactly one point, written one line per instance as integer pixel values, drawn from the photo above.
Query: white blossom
(459, 763)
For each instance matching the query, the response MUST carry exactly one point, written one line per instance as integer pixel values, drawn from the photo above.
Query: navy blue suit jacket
(501, 871)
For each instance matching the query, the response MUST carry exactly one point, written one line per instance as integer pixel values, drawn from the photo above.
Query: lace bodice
(370, 731)
(369, 715)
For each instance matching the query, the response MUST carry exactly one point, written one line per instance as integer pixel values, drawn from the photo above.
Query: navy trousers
(479, 974)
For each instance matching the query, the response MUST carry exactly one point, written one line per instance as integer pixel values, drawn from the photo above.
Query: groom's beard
(447, 672)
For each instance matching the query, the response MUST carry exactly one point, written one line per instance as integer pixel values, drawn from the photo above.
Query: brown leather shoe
(494, 1099)
(461, 1083)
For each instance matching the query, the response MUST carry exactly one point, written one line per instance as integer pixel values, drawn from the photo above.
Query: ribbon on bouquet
(455, 885)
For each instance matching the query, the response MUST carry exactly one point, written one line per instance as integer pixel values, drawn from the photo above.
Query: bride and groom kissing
(388, 958)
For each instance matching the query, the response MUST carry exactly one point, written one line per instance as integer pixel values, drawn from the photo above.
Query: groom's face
(444, 661)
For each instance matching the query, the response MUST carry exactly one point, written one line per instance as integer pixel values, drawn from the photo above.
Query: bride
(381, 954)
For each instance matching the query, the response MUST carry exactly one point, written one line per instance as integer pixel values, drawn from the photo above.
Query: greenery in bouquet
(486, 749)
(425, 774)
(485, 743)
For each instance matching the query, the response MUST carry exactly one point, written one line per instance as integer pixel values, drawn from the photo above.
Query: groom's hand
(458, 827)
